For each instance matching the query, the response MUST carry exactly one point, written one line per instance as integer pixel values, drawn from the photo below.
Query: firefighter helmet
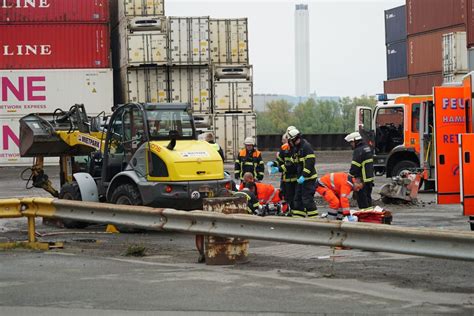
(352, 137)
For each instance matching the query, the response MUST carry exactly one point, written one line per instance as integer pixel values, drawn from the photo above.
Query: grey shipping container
(229, 41)
(395, 24)
(135, 44)
(191, 85)
(120, 9)
(231, 131)
(397, 60)
(142, 84)
(233, 96)
(189, 40)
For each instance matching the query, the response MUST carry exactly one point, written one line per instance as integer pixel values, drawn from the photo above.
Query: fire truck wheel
(403, 165)
(70, 191)
(471, 218)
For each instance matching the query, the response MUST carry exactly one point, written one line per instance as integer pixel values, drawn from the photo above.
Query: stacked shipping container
(427, 53)
(54, 54)
(195, 60)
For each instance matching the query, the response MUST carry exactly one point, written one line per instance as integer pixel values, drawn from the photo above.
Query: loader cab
(133, 125)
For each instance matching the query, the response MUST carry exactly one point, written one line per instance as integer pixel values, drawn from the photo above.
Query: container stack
(54, 54)
(140, 51)
(232, 87)
(195, 60)
(396, 49)
(431, 56)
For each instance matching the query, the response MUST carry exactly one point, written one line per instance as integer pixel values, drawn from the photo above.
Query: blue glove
(300, 180)
(270, 164)
(274, 170)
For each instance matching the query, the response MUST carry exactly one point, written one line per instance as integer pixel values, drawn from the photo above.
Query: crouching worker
(335, 188)
(248, 191)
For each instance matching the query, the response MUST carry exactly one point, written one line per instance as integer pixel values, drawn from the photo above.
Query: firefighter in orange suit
(335, 188)
(249, 160)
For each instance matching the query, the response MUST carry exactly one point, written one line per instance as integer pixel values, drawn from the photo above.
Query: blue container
(395, 25)
(396, 60)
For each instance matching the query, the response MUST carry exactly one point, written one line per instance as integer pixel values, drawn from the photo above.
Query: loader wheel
(127, 194)
(403, 165)
(70, 191)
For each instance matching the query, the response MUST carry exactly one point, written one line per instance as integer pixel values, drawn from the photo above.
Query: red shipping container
(470, 23)
(429, 15)
(425, 51)
(27, 11)
(423, 84)
(49, 46)
(396, 86)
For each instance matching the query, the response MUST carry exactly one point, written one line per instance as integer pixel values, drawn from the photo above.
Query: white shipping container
(121, 9)
(229, 41)
(455, 53)
(471, 59)
(143, 84)
(142, 47)
(191, 85)
(232, 96)
(231, 131)
(189, 40)
(453, 78)
(44, 90)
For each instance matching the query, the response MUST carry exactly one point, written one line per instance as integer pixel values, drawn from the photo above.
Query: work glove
(300, 180)
(273, 170)
(270, 164)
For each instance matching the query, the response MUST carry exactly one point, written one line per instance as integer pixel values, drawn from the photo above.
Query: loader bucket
(38, 138)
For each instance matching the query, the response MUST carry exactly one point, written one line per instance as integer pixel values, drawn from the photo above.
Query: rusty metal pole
(31, 229)
(225, 250)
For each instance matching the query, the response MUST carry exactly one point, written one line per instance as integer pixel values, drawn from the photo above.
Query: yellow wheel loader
(146, 154)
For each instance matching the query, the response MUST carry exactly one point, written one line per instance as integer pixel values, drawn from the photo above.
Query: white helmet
(293, 133)
(353, 137)
(249, 141)
(290, 128)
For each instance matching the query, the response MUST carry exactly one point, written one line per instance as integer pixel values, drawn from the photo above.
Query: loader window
(389, 129)
(162, 122)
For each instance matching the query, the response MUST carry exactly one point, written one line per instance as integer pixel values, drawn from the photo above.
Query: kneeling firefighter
(335, 188)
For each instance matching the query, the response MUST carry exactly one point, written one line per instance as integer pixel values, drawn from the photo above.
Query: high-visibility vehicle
(147, 154)
(393, 131)
(426, 133)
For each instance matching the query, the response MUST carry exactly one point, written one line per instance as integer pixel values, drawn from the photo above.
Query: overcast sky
(347, 41)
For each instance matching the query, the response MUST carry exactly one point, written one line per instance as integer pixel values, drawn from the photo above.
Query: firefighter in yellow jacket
(249, 160)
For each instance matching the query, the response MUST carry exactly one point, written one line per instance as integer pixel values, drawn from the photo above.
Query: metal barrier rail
(412, 241)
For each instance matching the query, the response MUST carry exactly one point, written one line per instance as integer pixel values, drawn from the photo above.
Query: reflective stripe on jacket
(305, 161)
(341, 184)
(249, 162)
(362, 165)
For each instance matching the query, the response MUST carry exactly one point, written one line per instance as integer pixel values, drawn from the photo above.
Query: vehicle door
(363, 124)
(449, 121)
(466, 163)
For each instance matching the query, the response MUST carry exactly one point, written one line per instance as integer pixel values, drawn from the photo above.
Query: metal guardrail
(412, 241)
(318, 141)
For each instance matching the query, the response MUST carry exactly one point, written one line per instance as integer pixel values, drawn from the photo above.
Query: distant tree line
(311, 117)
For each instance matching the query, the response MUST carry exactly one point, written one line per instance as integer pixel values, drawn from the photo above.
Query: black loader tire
(127, 194)
(70, 191)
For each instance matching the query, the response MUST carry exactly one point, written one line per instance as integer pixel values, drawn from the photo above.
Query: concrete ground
(92, 274)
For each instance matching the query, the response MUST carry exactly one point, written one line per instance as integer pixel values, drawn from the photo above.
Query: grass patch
(136, 251)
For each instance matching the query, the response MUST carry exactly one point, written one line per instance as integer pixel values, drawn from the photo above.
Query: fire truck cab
(392, 129)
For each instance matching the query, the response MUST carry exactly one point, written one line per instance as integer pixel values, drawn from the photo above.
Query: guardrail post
(31, 229)
(225, 250)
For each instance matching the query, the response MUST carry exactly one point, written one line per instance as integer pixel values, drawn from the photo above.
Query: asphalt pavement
(92, 274)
